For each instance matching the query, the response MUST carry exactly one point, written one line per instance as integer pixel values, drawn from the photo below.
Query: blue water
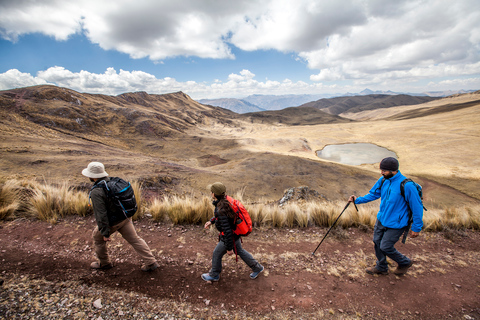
(354, 153)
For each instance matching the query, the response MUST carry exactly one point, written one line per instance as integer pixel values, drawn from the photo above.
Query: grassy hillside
(293, 116)
(174, 145)
(355, 104)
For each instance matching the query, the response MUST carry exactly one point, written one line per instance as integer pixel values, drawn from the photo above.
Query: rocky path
(45, 269)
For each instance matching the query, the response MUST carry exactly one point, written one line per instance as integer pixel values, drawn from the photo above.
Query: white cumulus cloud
(16, 79)
(361, 41)
(112, 82)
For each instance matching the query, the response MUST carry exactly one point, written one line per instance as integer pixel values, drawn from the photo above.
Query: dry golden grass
(137, 190)
(158, 208)
(9, 199)
(452, 218)
(49, 202)
(181, 210)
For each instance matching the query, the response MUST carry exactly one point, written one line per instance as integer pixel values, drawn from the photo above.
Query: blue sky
(227, 48)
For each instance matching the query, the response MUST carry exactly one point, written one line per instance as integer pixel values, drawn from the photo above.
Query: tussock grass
(322, 213)
(455, 218)
(9, 199)
(181, 210)
(137, 190)
(159, 208)
(49, 202)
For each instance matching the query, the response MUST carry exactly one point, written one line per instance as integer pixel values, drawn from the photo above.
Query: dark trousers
(384, 239)
(220, 251)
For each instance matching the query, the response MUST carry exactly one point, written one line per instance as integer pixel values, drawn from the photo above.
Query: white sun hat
(95, 170)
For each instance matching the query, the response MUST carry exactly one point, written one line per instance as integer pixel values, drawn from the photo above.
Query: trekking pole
(348, 203)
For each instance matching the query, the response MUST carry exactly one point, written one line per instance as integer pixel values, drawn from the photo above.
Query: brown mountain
(354, 104)
(91, 115)
(293, 116)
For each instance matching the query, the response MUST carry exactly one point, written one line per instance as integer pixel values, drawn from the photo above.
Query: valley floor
(45, 269)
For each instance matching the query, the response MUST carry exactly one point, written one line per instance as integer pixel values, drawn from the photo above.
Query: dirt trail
(444, 283)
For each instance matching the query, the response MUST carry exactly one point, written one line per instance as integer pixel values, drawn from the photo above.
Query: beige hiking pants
(127, 230)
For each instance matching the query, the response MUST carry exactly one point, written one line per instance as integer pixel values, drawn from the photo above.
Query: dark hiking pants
(220, 251)
(384, 239)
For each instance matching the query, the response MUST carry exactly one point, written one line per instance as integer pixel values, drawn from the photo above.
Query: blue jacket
(393, 211)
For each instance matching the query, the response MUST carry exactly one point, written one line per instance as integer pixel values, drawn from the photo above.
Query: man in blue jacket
(393, 216)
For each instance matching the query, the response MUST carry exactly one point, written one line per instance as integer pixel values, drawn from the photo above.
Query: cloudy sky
(231, 48)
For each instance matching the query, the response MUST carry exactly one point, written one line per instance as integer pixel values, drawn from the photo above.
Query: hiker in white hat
(109, 220)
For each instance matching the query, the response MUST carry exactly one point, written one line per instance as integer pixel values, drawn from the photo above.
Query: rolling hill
(355, 104)
(293, 116)
(173, 144)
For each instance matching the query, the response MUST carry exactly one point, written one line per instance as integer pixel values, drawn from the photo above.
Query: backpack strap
(410, 213)
(380, 186)
(402, 192)
(97, 185)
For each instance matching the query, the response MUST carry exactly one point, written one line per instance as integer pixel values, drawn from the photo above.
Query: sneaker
(374, 270)
(150, 267)
(96, 265)
(208, 277)
(401, 270)
(255, 274)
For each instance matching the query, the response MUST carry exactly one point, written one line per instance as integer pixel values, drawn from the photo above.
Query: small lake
(354, 153)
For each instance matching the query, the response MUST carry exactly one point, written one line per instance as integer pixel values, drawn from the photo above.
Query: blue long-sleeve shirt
(393, 211)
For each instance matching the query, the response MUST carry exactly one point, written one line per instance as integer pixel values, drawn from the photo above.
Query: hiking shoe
(96, 265)
(374, 270)
(208, 277)
(255, 274)
(150, 267)
(401, 270)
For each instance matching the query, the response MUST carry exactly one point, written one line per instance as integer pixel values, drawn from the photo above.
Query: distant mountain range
(258, 102)
(235, 105)
(255, 103)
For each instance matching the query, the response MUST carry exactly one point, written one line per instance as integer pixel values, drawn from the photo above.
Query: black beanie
(389, 164)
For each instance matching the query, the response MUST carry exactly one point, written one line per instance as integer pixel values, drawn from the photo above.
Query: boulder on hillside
(302, 193)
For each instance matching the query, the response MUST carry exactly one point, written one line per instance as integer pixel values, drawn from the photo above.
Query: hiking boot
(401, 270)
(374, 270)
(208, 277)
(255, 274)
(150, 267)
(96, 265)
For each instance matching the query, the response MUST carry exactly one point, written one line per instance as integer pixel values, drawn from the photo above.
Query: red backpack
(242, 218)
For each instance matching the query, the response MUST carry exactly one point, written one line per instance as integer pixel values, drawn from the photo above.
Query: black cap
(389, 164)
